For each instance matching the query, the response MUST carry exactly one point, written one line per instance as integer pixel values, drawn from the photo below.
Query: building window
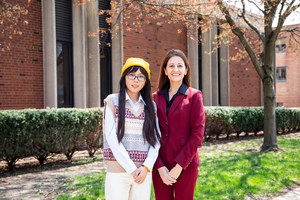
(64, 53)
(280, 45)
(279, 104)
(199, 58)
(64, 74)
(281, 74)
(219, 67)
(105, 53)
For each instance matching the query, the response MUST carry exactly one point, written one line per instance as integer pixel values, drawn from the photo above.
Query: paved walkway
(292, 195)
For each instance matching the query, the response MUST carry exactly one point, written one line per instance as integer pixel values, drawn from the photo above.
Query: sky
(291, 20)
(294, 18)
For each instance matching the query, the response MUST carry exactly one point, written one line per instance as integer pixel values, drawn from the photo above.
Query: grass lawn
(233, 170)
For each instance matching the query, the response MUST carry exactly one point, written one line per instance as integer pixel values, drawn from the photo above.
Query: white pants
(121, 186)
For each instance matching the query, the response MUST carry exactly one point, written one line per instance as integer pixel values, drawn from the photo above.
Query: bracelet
(146, 168)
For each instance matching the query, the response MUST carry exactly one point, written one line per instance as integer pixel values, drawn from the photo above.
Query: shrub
(40, 133)
(217, 121)
(227, 120)
(15, 137)
(43, 132)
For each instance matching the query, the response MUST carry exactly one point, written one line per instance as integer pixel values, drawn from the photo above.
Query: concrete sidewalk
(292, 195)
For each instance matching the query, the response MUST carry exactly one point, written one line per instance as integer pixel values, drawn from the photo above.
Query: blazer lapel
(174, 105)
(163, 105)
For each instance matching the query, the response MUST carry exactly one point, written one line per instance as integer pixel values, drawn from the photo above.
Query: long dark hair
(150, 131)
(163, 80)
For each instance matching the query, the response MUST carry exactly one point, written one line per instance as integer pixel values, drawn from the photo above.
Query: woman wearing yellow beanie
(131, 134)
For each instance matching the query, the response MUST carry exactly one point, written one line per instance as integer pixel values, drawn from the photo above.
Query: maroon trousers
(183, 189)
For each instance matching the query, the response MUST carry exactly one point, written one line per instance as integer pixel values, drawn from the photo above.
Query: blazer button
(167, 135)
(167, 123)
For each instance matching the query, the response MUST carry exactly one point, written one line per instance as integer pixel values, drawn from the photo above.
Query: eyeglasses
(139, 78)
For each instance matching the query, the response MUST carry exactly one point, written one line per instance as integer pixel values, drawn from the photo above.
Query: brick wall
(288, 92)
(21, 68)
(153, 44)
(245, 86)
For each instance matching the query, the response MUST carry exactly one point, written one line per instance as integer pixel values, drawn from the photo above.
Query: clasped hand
(169, 177)
(139, 175)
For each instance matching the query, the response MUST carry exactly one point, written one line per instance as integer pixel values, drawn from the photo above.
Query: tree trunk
(270, 137)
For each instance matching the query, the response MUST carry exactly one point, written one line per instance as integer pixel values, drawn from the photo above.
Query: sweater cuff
(130, 167)
(149, 163)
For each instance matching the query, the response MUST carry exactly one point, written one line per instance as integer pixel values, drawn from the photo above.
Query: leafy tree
(232, 17)
(10, 19)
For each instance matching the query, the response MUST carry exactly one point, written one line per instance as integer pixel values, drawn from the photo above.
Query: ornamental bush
(43, 132)
(14, 136)
(227, 120)
(39, 133)
(287, 119)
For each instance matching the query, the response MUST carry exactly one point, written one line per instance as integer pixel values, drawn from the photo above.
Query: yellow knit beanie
(136, 62)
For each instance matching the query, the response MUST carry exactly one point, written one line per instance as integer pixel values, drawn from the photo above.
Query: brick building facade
(245, 83)
(56, 64)
(287, 69)
(21, 68)
(152, 45)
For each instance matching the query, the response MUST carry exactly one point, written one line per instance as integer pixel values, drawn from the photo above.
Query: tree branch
(290, 9)
(119, 15)
(295, 29)
(256, 6)
(270, 12)
(172, 7)
(238, 32)
(249, 24)
(281, 9)
(283, 17)
(293, 36)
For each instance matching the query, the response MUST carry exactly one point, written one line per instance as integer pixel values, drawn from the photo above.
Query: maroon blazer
(181, 131)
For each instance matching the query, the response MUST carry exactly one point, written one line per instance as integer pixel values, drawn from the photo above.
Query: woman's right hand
(165, 177)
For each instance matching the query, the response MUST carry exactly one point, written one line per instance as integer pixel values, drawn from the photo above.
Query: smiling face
(134, 86)
(175, 69)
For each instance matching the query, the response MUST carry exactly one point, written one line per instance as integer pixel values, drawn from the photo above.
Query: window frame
(105, 51)
(277, 77)
(64, 35)
(280, 42)
(70, 74)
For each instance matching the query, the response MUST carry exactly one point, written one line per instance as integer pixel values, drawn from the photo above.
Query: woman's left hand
(141, 174)
(175, 171)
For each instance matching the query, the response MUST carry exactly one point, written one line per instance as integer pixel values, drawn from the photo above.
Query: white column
(117, 56)
(214, 66)
(206, 68)
(192, 47)
(93, 50)
(79, 56)
(224, 72)
(49, 54)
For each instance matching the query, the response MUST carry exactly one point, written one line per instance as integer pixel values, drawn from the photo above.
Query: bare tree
(264, 62)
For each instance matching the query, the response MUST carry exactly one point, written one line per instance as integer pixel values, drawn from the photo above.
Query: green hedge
(227, 120)
(40, 133)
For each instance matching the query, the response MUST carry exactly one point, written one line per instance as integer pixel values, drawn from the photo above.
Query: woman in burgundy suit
(181, 118)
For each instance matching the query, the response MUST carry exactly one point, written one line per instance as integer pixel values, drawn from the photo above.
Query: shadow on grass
(87, 187)
(250, 136)
(236, 175)
(51, 165)
(289, 143)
